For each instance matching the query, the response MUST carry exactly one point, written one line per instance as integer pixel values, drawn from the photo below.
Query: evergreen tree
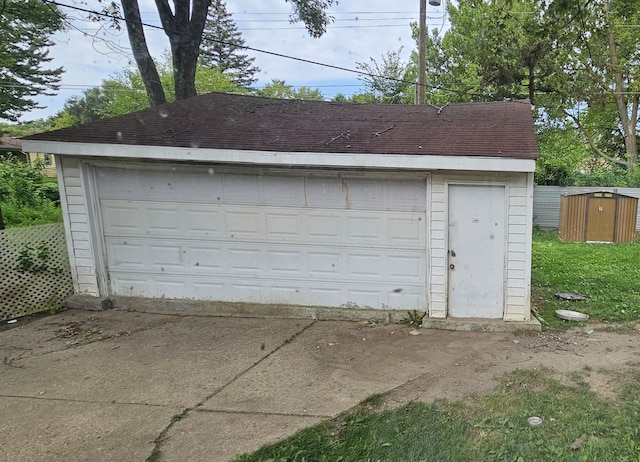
(25, 30)
(221, 46)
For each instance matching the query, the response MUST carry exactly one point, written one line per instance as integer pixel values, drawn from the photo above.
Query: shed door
(476, 215)
(277, 238)
(601, 219)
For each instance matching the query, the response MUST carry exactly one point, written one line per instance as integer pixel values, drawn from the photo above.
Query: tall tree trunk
(1, 221)
(184, 28)
(628, 123)
(141, 54)
(184, 69)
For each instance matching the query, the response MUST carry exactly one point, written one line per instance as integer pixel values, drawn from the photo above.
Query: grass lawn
(578, 424)
(493, 427)
(607, 274)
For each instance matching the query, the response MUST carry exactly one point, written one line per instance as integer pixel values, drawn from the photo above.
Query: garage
(264, 237)
(237, 204)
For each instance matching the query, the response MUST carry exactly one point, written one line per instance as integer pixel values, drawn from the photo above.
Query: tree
(125, 93)
(391, 80)
(184, 24)
(357, 98)
(279, 89)
(603, 73)
(86, 108)
(576, 60)
(25, 30)
(221, 43)
(511, 45)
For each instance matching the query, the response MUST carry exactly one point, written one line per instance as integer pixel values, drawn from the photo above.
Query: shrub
(25, 198)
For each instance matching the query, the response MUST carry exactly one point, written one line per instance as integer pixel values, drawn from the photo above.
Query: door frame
(505, 244)
(96, 230)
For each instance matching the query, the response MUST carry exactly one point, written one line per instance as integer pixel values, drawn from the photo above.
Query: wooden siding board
(76, 225)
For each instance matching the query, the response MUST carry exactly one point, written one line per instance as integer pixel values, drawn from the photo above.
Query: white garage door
(265, 237)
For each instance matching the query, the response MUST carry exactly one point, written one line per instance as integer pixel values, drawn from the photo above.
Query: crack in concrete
(162, 437)
(263, 413)
(87, 401)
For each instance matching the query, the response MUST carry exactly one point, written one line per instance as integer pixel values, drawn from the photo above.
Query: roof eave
(293, 159)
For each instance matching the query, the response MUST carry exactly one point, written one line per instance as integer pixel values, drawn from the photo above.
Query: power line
(271, 53)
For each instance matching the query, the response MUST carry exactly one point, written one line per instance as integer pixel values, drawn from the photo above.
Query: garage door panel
(190, 184)
(127, 255)
(136, 217)
(244, 261)
(254, 260)
(297, 225)
(162, 220)
(365, 266)
(319, 241)
(316, 294)
(284, 191)
(324, 264)
(166, 257)
(285, 262)
(244, 224)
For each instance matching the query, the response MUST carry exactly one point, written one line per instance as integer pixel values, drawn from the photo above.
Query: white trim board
(302, 159)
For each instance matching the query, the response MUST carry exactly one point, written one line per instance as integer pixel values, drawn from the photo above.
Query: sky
(362, 30)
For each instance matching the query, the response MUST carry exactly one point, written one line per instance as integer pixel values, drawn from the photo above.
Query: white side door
(476, 250)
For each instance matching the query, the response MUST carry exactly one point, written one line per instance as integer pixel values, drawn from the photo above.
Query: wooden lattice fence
(34, 270)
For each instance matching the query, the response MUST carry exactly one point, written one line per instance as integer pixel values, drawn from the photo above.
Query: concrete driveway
(115, 385)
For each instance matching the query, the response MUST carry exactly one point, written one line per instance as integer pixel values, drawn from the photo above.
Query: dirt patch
(589, 357)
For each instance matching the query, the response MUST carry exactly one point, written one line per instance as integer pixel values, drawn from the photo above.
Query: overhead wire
(276, 54)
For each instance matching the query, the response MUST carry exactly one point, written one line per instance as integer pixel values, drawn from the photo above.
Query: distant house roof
(8, 143)
(225, 121)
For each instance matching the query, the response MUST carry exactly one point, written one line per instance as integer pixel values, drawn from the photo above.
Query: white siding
(518, 246)
(76, 221)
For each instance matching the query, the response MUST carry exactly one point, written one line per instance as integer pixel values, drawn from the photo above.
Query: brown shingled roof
(224, 121)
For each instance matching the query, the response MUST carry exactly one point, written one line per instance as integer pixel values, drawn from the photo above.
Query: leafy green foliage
(579, 65)
(35, 260)
(280, 89)
(26, 198)
(25, 30)
(607, 274)
(561, 151)
(27, 128)
(414, 318)
(313, 13)
(510, 45)
(391, 80)
(125, 93)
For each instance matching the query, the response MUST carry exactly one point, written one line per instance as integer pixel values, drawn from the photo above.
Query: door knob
(452, 266)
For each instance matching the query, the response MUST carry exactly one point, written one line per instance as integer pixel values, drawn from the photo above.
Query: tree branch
(592, 143)
(141, 54)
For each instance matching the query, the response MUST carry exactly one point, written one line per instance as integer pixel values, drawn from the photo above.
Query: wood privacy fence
(546, 203)
(34, 270)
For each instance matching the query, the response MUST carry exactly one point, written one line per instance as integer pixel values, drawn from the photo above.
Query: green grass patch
(607, 274)
(484, 428)
(414, 432)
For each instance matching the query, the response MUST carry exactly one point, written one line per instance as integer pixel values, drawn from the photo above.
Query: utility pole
(421, 52)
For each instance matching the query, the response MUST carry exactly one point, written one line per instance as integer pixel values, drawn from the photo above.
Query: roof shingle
(224, 121)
